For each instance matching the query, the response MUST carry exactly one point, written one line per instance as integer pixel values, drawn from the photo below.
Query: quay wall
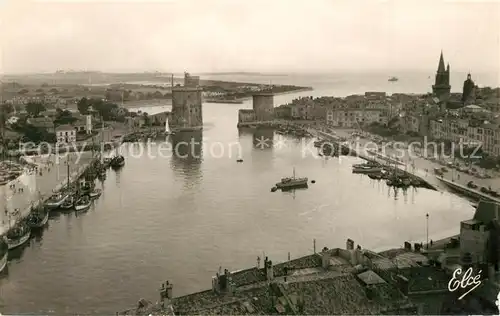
(37, 198)
(470, 192)
(370, 156)
(33, 187)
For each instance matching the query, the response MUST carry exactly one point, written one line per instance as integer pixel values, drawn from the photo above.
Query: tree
(64, 117)
(23, 91)
(34, 108)
(83, 106)
(35, 134)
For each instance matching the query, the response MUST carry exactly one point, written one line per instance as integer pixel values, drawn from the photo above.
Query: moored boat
(292, 182)
(107, 162)
(83, 203)
(37, 219)
(17, 236)
(69, 203)
(375, 176)
(366, 169)
(415, 182)
(56, 200)
(117, 162)
(4, 253)
(95, 193)
(87, 187)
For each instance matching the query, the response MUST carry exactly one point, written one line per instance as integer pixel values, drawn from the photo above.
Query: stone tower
(468, 91)
(441, 87)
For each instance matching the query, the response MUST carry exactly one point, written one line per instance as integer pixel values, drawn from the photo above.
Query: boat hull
(81, 208)
(56, 204)
(298, 184)
(42, 223)
(14, 243)
(3, 261)
(94, 195)
(367, 171)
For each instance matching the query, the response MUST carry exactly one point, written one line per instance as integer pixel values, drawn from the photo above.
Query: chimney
(169, 287)
(355, 256)
(325, 258)
(349, 244)
(215, 283)
(407, 246)
(417, 247)
(269, 270)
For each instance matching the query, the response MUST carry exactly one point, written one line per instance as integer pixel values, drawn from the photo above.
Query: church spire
(441, 63)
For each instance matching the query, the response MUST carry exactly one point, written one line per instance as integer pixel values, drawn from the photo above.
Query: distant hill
(241, 73)
(76, 78)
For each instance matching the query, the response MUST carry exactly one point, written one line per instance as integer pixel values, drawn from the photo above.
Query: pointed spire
(441, 63)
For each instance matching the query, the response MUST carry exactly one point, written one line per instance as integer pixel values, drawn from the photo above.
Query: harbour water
(179, 219)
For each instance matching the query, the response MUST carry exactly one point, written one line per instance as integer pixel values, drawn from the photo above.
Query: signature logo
(459, 281)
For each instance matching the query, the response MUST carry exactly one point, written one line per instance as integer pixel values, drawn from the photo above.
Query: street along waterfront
(170, 218)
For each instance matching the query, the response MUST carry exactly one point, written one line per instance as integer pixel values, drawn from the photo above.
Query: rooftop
(65, 128)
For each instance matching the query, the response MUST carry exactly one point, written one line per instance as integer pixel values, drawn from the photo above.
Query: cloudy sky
(256, 35)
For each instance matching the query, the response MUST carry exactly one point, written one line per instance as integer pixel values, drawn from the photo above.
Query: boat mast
(67, 163)
(294, 173)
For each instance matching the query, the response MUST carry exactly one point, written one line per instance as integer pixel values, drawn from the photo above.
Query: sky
(256, 35)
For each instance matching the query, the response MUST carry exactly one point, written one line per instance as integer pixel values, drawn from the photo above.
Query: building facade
(65, 134)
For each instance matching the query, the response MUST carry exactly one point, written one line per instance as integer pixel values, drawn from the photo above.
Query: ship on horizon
(393, 79)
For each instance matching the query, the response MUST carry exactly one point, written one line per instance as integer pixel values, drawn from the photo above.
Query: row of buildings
(470, 117)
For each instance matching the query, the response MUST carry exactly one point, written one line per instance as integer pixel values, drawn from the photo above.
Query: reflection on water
(263, 138)
(187, 151)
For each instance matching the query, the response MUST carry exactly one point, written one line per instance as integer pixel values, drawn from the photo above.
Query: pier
(372, 156)
(469, 192)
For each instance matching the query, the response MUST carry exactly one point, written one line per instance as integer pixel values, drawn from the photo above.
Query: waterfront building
(441, 87)
(352, 118)
(187, 112)
(263, 106)
(65, 134)
(246, 116)
(283, 112)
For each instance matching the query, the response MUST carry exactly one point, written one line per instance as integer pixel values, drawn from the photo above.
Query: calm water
(181, 218)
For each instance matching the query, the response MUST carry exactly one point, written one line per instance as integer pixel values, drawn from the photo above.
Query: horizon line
(249, 72)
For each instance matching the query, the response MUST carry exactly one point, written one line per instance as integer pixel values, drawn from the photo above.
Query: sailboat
(167, 128)
(292, 182)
